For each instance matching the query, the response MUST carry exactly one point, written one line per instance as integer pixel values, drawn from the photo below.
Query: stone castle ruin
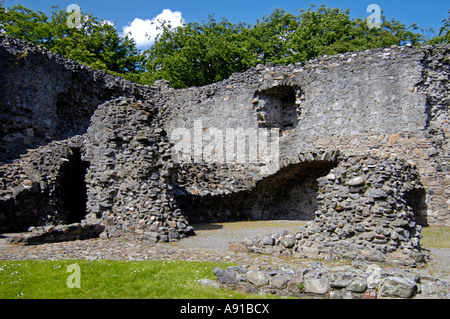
(362, 152)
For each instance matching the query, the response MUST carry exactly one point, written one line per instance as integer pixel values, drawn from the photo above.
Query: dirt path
(216, 237)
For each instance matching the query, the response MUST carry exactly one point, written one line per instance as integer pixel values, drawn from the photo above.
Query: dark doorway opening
(73, 188)
(416, 199)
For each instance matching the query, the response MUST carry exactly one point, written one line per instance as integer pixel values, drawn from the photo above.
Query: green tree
(26, 24)
(94, 43)
(444, 33)
(201, 53)
(198, 54)
(270, 36)
(328, 31)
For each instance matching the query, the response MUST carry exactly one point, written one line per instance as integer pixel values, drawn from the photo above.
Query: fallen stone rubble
(60, 233)
(356, 281)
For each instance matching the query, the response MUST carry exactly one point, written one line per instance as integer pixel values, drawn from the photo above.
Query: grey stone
(279, 281)
(341, 279)
(238, 269)
(358, 286)
(359, 281)
(61, 233)
(174, 235)
(288, 241)
(257, 278)
(209, 283)
(225, 276)
(181, 225)
(398, 287)
(357, 181)
(400, 223)
(317, 286)
(316, 265)
(376, 193)
(268, 241)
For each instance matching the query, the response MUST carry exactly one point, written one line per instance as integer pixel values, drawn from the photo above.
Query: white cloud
(144, 32)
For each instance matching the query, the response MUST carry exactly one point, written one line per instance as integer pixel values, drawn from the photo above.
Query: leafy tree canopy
(196, 54)
(444, 33)
(92, 42)
(199, 54)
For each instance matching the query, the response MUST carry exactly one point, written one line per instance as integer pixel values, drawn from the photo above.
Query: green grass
(435, 237)
(111, 280)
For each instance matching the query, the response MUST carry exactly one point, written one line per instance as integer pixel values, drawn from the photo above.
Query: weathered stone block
(316, 286)
(398, 287)
(257, 278)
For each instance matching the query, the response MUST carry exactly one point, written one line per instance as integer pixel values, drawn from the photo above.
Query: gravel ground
(439, 265)
(210, 244)
(215, 237)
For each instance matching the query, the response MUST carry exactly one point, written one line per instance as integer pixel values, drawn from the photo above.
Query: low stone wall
(357, 281)
(60, 233)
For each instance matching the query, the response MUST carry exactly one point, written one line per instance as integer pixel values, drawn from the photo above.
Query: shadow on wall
(30, 207)
(289, 194)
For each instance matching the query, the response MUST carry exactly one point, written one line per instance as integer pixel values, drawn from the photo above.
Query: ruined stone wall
(289, 194)
(367, 210)
(35, 190)
(45, 97)
(130, 177)
(118, 144)
(46, 102)
(382, 102)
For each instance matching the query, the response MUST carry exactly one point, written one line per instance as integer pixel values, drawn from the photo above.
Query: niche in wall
(279, 107)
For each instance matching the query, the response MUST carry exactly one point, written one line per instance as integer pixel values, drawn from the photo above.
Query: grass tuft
(435, 237)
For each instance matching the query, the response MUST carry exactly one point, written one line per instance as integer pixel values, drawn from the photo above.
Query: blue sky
(124, 13)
